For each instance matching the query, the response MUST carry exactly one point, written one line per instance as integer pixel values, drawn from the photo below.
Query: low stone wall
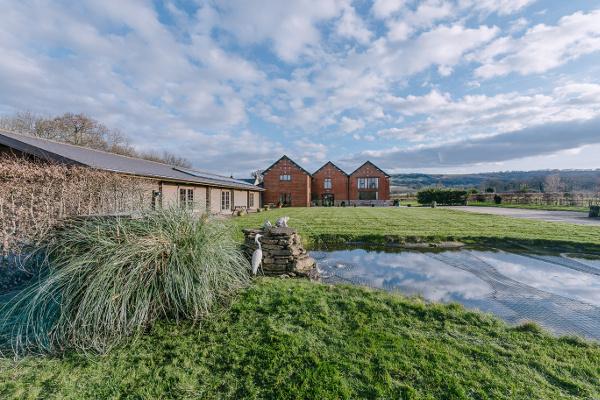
(283, 253)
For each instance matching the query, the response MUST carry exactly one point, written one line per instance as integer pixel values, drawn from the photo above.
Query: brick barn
(287, 183)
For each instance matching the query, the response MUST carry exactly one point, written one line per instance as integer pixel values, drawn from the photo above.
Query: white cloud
(350, 125)
(289, 26)
(542, 47)
(501, 7)
(352, 26)
(385, 8)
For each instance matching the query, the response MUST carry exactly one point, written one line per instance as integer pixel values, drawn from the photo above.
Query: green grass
(298, 340)
(531, 206)
(377, 225)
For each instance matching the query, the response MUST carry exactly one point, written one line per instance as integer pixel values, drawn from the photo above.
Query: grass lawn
(531, 206)
(378, 224)
(299, 340)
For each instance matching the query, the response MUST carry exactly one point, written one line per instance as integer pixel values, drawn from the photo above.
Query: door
(328, 199)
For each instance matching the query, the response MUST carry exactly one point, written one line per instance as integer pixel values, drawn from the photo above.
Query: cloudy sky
(432, 86)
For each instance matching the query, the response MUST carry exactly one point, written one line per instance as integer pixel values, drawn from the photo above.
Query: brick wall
(368, 170)
(339, 184)
(298, 187)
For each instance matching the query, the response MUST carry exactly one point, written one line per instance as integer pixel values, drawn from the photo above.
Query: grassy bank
(292, 339)
(531, 206)
(377, 225)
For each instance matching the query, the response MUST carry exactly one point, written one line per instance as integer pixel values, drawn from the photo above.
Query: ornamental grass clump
(107, 279)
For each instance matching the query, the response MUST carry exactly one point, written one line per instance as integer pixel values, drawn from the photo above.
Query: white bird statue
(257, 255)
(267, 224)
(282, 222)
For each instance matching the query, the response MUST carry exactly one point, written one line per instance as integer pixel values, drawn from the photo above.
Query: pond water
(559, 292)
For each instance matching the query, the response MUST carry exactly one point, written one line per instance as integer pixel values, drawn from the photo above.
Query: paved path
(572, 217)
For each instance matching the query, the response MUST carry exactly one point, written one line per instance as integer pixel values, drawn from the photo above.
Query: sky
(437, 86)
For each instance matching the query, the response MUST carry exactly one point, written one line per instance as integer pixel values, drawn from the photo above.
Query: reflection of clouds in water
(408, 272)
(546, 276)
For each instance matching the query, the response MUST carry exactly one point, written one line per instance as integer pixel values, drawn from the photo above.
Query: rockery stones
(283, 253)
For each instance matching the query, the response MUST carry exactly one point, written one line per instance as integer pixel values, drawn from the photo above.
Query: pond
(559, 292)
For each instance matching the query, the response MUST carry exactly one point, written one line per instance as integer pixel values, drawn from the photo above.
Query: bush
(594, 212)
(497, 199)
(442, 196)
(107, 279)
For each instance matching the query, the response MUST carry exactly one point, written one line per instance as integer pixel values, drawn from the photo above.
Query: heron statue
(257, 255)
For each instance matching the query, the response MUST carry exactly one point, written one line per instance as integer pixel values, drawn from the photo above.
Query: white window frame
(186, 198)
(225, 200)
(327, 183)
(285, 177)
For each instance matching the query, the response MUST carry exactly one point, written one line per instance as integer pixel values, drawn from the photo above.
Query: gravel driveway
(572, 217)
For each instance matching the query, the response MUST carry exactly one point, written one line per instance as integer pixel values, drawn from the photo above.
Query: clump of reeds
(108, 279)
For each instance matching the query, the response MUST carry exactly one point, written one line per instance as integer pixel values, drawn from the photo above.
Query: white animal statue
(267, 224)
(257, 255)
(282, 222)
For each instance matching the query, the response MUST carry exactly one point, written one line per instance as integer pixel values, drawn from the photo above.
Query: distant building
(287, 183)
(169, 185)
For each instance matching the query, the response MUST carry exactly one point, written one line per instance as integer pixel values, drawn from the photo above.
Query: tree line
(82, 130)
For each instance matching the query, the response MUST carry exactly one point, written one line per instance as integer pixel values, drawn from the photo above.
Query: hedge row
(442, 196)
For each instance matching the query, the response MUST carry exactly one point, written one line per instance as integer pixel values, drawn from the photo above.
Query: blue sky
(433, 86)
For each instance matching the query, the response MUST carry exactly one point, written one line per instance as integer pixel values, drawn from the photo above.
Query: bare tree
(82, 130)
(552, 183)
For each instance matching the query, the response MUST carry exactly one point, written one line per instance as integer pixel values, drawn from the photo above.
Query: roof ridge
(84, 147)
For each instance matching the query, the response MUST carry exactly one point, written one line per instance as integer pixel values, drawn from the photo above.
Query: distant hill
(537, 181)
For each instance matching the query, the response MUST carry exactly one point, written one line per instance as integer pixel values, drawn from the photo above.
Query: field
(378, 225)
(531, 206)
(299, 340)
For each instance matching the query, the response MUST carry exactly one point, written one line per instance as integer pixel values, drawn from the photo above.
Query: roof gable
(286, 158)
(333, 165)
(372, 165)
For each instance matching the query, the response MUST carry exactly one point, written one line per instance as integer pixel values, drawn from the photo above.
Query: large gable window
(327, 183)
(285, 177)
(368, 183)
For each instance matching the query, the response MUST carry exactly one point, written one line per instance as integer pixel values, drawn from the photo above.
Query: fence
(543, 199)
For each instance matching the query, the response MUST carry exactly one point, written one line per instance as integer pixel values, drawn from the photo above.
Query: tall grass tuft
(108, 279)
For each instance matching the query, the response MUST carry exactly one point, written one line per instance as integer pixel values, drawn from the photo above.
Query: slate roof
(333, 165)
(373, 165)
(77, 155)
(284, 157)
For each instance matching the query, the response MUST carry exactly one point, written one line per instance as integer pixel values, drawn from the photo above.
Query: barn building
(168, 185)
(287, 183)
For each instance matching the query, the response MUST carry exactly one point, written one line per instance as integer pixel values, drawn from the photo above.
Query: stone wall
(283, 253)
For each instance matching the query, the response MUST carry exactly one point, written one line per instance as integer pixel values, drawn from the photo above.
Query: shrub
(594, 212)
(497, 199)
(442, 196)
(107, 279)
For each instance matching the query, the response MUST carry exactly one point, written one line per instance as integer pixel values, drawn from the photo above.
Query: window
(327, 183)
(155, 199)
(225, 200)
(367, 195)
(186, 199)
(251, 200)
(368, 183)
(285, 199)
(285, 177)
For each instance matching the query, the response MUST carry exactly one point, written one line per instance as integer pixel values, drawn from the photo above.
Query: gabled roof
(373, 165)
(284, 157)
(76, 155)
(333, 165)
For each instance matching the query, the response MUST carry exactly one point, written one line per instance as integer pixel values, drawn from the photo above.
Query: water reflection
(561, 293)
